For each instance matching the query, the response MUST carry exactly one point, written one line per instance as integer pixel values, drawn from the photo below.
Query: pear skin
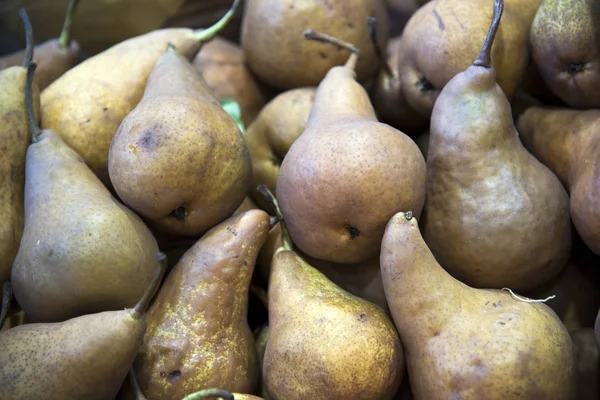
(178, 158)
(468, 343)
(568, 142)
(198, 335)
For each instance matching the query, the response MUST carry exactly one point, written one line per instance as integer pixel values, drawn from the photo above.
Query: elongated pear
(14, 139)
(198, 335)
(470, 343)
(568, 142)
(347, 173)
(84, 358)
(82, 251)
(178, 158)
(495, 216)
(87, 104)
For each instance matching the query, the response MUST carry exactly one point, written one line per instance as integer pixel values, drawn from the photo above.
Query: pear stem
(261, 294)
(203, 394)
(372, 23)
(33, 125)
(210, 32)
(142, 305)
(7, 294)
(28, 38)
(135, 385)
(285, 235)
(325, 38)
(485, 57)
(65, 35)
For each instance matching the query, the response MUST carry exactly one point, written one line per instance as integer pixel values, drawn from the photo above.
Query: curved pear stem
(285, 235)
(210, 32)
(325, 38)
(28, 37)
(140, 308)
(207, 393)
(33, 125)
(65, 35)
(7, 294)
(372, 23)
(137, 391)
(485, 57)
(261, 294)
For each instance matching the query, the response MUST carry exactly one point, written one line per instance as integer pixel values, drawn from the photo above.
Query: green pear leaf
(233, 109)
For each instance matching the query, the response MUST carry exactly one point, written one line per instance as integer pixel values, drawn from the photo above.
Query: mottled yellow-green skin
(198, 336)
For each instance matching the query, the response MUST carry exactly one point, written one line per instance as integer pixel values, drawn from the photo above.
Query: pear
(270, 137)
(565, 37)
(442, 38)
(271, 29)
(198, 335)
(53, 57)
(347, 173)
(83, 358)
(325, 343)
(470, 343)
(219, 394)
(223, 67)
(87, 104)
(178, 158)
(568, 142)
(495, 216)
(82, 251)
(14, 136)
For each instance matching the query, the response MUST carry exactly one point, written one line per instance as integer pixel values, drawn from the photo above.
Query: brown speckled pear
(84, 358)
(87, 104)
(178, 158)
(347, 174)
(568, 142)
(53, 57)
(466, 343)
(495, 216)
(272, 38)
(223, 67)
(443, 37)
(198, 335)
(82, 251)
(270, 137)
(14, 139)
(565, 43)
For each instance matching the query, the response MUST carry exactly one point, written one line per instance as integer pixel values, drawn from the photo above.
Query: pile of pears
(355, 199)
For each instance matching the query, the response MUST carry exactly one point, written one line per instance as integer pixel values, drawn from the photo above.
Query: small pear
(495, 216)
(347, 173)
(82, 251)
(84, 358)
(198, 335)
(468, 343)
(178, 158)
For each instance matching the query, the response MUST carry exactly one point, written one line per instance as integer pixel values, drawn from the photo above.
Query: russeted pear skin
(178, 158)
(198, 335)
(494, 216)
(347, 174)
(325, 343)
(568, 142)
(468, 343)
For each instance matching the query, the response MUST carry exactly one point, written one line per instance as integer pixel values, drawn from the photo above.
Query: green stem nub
(209, 33)
(65, 35)
(33, 123)
(266, 193)
(485, 57)
(28, 37)
(142, 305)
(7, 294)
(210, 393)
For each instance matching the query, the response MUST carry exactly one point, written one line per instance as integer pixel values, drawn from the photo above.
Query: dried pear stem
(135, 385)
(285, 235)
(325, 38)
(142, 305)
(7, 294)
(65, 35)
(33, 125)
(372, 22)
(210, 32)
(28, 37)
(485, 57)
(203, 394)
